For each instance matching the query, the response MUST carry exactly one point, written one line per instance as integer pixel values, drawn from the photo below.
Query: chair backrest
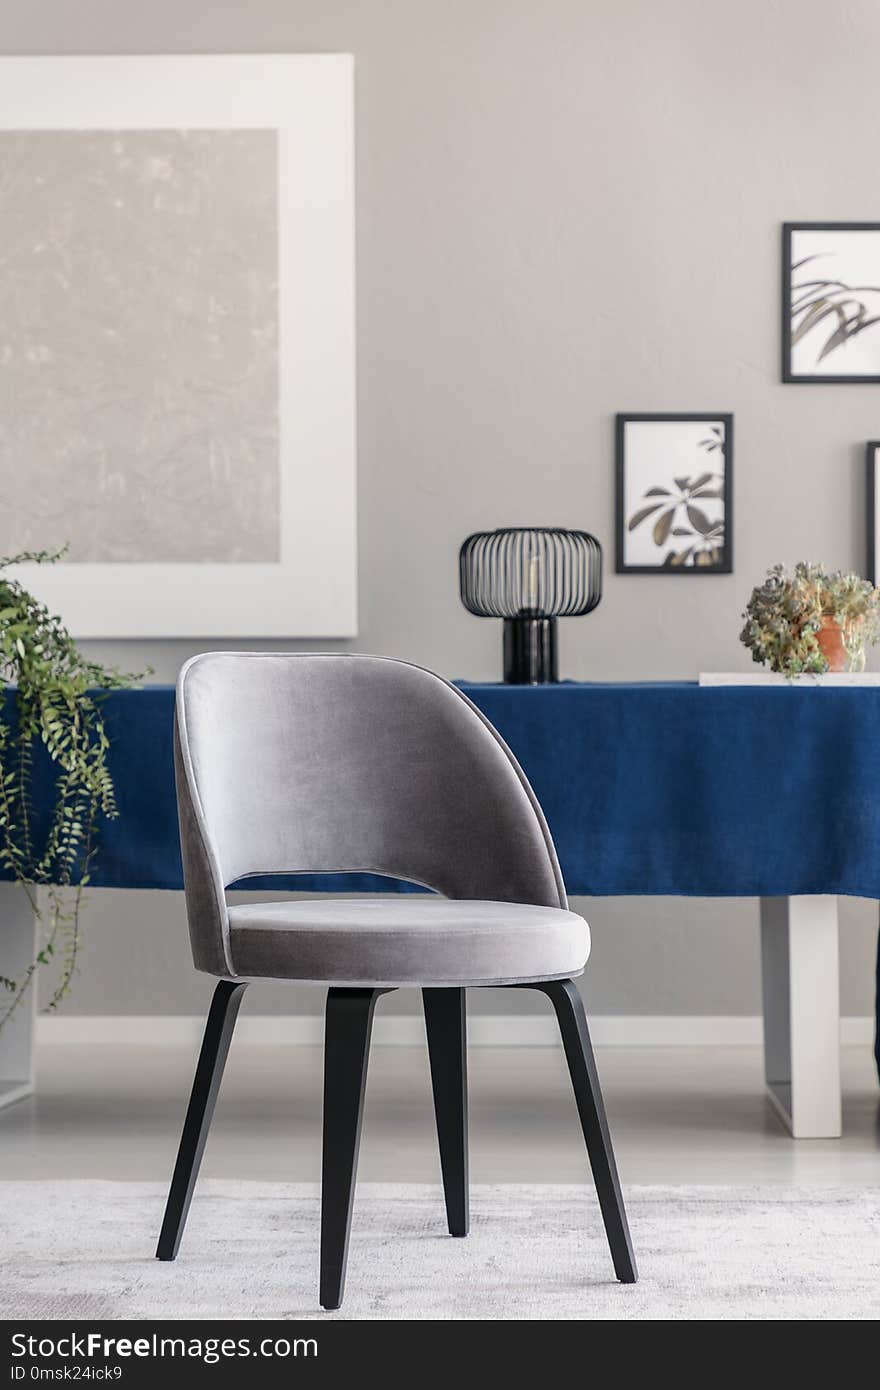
(331, 762)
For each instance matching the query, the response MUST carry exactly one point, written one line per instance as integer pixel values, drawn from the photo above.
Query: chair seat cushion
(410, 940)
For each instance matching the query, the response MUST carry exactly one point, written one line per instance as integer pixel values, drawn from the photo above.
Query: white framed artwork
(831, 302)
(177, 346)
(674, 494)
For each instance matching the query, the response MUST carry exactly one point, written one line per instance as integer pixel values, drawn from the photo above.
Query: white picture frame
(308, 100)
(831, 303)
(674, 494)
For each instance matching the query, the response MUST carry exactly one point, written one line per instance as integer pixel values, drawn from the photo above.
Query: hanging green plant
(57, 705)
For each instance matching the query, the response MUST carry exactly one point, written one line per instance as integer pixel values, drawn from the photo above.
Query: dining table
(649, 788)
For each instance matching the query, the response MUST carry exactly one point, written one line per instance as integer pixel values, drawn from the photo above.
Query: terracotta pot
(830, 639)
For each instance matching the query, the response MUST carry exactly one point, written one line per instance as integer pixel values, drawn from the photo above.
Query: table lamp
(529, 576)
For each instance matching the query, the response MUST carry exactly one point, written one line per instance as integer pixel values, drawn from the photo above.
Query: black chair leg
(566, 1000)
(209, 1073)
(445, 1024)
(349, 1023)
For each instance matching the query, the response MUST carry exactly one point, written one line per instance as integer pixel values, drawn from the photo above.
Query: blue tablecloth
(648, 789)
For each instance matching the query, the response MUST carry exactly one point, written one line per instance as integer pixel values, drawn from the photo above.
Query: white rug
(84, 1250)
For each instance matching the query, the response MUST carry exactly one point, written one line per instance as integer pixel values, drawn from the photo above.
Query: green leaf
(698, 520)
(844, 333)
(816, 315)
(677, 561)
(638, 517)
(662, 527)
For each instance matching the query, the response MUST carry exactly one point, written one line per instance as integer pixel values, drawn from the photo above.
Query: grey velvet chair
(318, 763)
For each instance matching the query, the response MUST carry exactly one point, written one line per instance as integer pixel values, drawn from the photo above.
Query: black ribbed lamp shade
(530, 576)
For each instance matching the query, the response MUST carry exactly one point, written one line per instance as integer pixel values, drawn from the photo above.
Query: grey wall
(564, 209)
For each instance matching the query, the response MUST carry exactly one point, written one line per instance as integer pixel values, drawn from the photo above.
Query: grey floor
(678, 1115)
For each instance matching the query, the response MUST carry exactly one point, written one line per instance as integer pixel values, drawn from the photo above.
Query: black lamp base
(530, 650)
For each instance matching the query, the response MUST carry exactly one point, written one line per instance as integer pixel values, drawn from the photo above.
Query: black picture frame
(790, 377)
(872, 512)
(725, 566)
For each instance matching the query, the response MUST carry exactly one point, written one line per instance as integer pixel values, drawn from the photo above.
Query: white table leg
(18, 937)
(802, 1013)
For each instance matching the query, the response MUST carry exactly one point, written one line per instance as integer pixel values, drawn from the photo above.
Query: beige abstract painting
(139, 345)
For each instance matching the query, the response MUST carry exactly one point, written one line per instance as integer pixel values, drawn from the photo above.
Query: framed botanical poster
(831, 302)
(872, 512)
(177, 392)
(675, 494)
